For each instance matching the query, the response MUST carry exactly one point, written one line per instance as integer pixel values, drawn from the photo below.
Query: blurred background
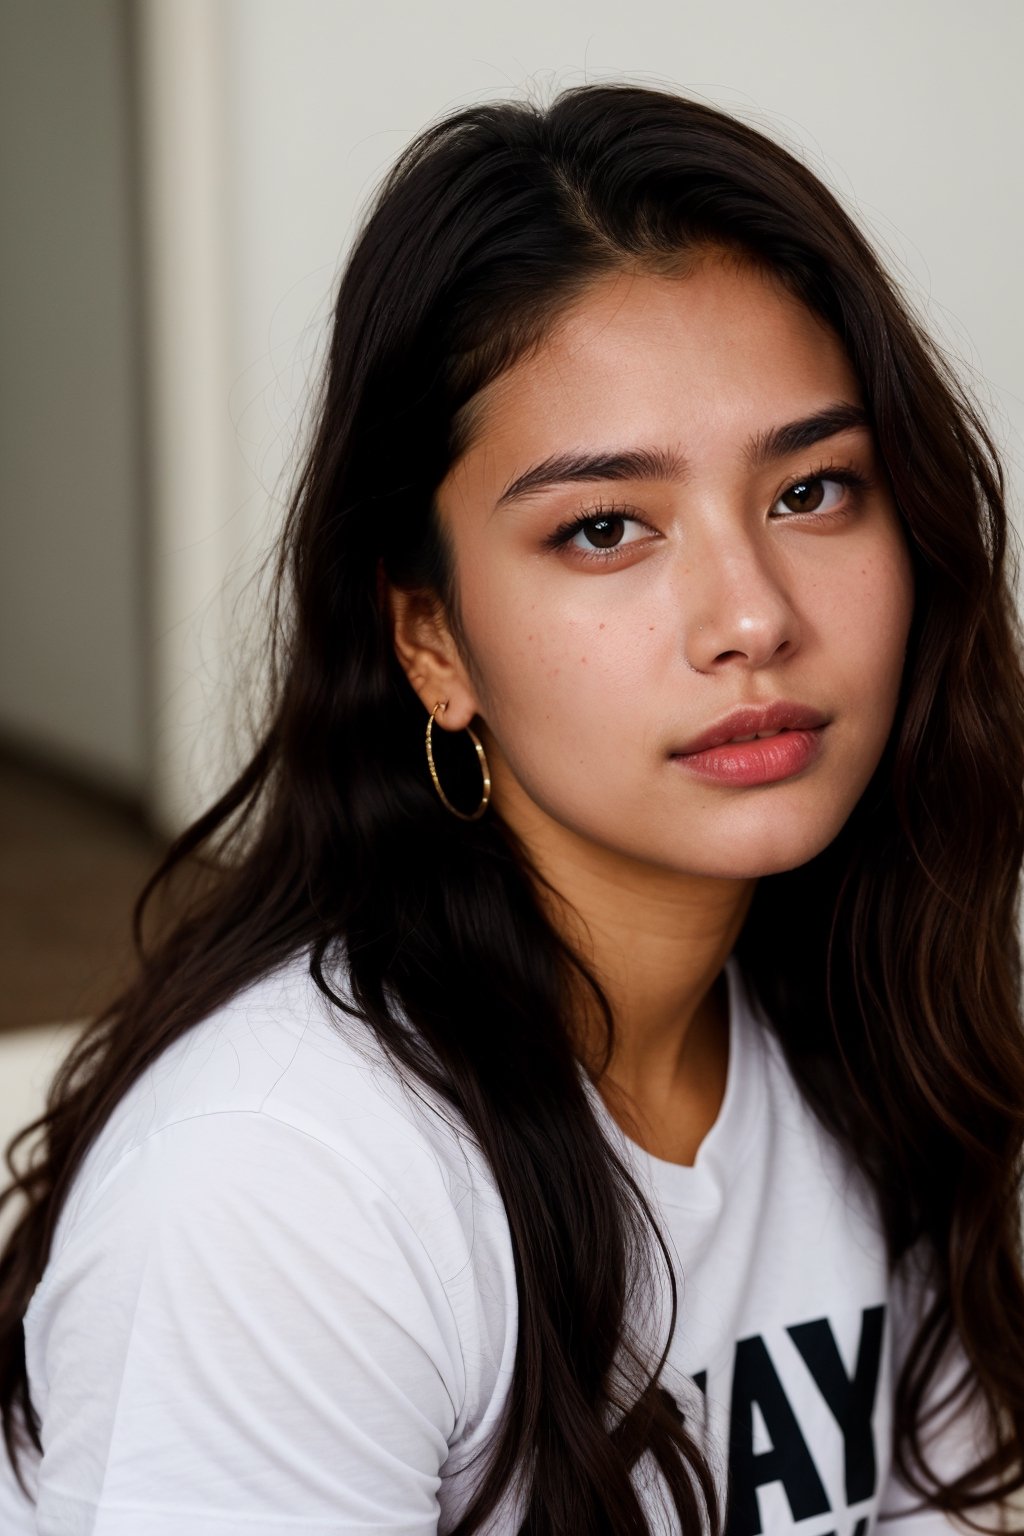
(179, 181)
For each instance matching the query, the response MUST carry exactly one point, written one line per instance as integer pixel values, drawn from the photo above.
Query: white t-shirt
(281, 1299)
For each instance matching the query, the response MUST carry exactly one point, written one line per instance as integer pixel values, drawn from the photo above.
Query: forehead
(682, 360)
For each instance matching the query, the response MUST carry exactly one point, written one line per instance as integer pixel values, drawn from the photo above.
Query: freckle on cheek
(584, 660)
(600, 626)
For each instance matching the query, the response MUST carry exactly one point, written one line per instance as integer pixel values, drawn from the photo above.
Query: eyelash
(851, 478)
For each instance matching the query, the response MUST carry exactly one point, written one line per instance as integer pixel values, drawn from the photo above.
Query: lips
(754, 720)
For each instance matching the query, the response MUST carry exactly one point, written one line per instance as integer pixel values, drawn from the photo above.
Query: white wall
(71, 621)
(910, 108)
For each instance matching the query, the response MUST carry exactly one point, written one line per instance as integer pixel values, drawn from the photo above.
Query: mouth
(759, 722)
(757, 735)
(756, 745)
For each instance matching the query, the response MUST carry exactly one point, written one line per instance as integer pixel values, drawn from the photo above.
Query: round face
(672, 534)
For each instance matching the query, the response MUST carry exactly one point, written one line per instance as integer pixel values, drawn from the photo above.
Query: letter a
(788, 1462)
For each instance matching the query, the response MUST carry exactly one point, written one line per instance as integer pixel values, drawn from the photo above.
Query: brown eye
(805, 497)
(598, 539)
(604, 532)
(822, 493)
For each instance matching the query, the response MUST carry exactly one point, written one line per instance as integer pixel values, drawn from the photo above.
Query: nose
(739, 612)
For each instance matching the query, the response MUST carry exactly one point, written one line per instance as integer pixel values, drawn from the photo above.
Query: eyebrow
(660, 464)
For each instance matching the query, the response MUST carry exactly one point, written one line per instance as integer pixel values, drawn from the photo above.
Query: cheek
(557, 677)
(579, 672)
(869, 612)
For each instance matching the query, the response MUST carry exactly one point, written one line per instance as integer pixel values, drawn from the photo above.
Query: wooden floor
(71, 865)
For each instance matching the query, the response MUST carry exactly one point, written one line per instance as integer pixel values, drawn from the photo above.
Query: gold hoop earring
(485, 771)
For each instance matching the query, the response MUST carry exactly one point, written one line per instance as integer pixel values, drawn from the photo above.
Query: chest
(782, 1357)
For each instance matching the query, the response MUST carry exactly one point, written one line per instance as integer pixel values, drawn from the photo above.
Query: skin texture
(585, 670)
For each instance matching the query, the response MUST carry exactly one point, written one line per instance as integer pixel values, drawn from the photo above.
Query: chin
(767, 851)
(756, 868)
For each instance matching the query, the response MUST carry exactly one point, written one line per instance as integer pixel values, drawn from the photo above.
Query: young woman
(586, 1090)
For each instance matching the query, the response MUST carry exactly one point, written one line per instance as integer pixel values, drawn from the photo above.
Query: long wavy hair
(889, 963)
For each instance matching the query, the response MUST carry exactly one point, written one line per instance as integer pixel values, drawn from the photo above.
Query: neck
(657, 941)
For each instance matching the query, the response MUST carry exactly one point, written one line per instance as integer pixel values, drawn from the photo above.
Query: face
(670, 512)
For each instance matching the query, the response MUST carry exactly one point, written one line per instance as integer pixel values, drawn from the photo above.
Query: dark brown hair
(889, 964)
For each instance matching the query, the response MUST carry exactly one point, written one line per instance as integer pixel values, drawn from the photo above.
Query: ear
(429, 656)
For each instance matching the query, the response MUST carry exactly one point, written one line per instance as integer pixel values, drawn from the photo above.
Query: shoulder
(274, 1213)
(280, 1063)
(279, 1129)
